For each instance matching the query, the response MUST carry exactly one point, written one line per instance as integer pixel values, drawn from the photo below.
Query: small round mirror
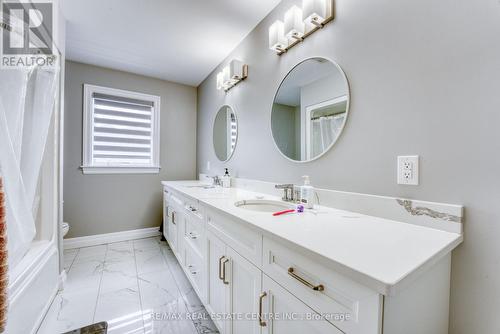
(225, 133)
(310, 109)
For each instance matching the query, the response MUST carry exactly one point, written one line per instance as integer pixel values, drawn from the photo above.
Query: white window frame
(88, 128)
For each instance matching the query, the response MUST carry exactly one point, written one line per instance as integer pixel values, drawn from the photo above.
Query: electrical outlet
(408, 170)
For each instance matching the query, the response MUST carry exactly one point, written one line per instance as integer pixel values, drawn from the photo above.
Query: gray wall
(95, 204)
(425, 78)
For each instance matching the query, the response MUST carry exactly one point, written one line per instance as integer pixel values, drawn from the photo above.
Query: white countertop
(379, 253)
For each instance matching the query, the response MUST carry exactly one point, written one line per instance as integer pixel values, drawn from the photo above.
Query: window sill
(119, 170)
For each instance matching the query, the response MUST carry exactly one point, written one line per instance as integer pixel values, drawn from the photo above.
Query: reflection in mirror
(310, 109)
(225, 133)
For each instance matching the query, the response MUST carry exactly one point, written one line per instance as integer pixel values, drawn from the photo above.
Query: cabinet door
(217, 301)
(180, 216)
(166, 213)
(167, 221)
(285, 314)
(245, 281)
(175, 232)
(172, 229)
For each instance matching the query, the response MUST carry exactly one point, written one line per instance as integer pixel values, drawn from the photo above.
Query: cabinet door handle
(262, 323)
(193, 271)
(173, 218)
(221, 277)
(192, 235)
(318, 287)
(191, 208)
(226, 260)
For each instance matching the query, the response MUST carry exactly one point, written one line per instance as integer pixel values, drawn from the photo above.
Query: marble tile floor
(136, 286)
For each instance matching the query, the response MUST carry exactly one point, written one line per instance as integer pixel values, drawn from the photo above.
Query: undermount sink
(204, 186)
(263, 205)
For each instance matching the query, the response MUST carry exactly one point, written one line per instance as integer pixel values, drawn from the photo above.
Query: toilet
(64, 229)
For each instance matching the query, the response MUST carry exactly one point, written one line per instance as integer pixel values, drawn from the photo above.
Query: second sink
(263, 205)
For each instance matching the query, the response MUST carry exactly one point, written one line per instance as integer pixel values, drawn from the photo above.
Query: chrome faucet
(217, 180)
(288, 193)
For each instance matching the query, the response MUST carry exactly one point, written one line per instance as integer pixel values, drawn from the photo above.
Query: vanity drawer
(194, 234)
(247, 242)
(322, 289)
(195, 270)
(176, 201)
(194, 209)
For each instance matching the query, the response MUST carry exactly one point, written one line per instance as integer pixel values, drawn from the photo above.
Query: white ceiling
(304, 74)
(175, 40)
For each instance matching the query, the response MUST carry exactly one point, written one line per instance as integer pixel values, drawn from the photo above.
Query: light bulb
(294, 25)
(277, 40)
(314, 11)
(220, 82)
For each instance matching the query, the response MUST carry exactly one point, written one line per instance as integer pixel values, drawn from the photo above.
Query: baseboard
(100, 239)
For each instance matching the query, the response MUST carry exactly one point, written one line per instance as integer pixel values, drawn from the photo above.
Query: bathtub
(34, 283)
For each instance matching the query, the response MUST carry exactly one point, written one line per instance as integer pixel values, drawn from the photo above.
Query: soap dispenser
(307, 193)
(226, 179)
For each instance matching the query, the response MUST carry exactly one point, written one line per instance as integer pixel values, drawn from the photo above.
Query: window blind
(122, 131)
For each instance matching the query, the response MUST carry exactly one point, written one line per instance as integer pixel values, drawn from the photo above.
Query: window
(121, 132)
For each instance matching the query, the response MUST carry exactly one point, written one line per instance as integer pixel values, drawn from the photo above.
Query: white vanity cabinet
(223, 260)
(184, 229)
(290, 315)
(217, 301)
(356, 308)
(192, 237)
(255, 282)
(174, 217)
(234, 286)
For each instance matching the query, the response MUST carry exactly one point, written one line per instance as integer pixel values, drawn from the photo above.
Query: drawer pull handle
(226, 260)
(318, 287)
(220, 268)
(192, 235)
(262, 323)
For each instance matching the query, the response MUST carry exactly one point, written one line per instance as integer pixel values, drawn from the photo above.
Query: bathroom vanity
(326, 270)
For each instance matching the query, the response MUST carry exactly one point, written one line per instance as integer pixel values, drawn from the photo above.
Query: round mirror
(225, 133)
(310, 109)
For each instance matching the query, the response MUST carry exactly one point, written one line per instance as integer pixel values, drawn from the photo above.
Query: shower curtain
(27, 101)
(325, 130)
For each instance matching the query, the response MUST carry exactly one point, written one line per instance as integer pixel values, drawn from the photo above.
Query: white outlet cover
(408, 170)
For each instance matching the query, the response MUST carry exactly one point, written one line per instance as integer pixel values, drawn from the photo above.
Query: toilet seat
(65, 228)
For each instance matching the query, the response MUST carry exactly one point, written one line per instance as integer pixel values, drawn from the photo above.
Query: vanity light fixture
(299, 24)
(277, 39)
(314, 11)
(294, 26)
(220, 80)
(232, 75)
